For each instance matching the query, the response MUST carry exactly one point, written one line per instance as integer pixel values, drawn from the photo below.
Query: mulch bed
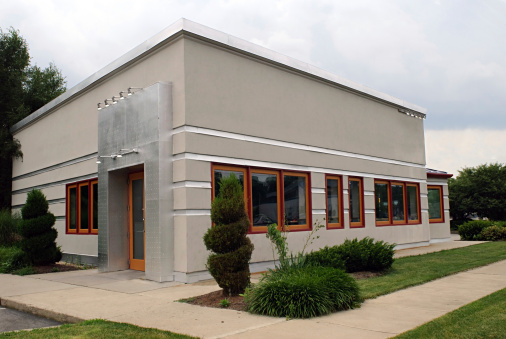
(213, 299)
(57, 267)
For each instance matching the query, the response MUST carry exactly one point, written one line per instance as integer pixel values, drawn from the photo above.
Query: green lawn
(484, 318)
(416, 270)
(95, 329)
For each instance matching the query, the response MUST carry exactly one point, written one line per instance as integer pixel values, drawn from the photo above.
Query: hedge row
(483, 230)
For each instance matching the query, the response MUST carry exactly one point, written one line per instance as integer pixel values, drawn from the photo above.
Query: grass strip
(483, 318)
(95, 329)
(416, 270)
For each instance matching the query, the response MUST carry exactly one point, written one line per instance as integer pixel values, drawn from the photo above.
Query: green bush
(355, 255)
(471, 230)
(37, 228)
(11, 259)
(303, 293)
(493, 233)
(8, 227)
(229, 264)
(327, 257)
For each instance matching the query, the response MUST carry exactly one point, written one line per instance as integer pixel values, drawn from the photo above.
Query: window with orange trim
(271, 196)
(396, 203)
(382, 202)
(435, 197)
(82, 207)
(334, 200)
(356, 199)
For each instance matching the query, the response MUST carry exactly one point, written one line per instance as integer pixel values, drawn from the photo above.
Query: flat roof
(185, 26)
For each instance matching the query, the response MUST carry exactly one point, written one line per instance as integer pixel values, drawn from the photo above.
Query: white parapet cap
(187, 27)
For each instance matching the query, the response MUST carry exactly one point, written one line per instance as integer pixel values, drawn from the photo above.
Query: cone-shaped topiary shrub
(229, 264)
(36, 227)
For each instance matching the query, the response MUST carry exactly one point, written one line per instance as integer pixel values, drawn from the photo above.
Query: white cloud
(452, 150)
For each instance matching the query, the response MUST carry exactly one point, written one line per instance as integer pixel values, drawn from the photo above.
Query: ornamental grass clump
(229, 264)
(303, 292)
(37, 231)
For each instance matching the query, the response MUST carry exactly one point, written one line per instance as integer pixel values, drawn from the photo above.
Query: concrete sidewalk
(125, 297)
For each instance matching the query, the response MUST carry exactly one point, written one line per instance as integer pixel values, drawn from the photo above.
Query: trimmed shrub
(8, 225)
(229, 264)
(471, 230)
(493, 233)
(303, 293)
(327, 257)
(38, 232)
(355, 255)
(36, 205)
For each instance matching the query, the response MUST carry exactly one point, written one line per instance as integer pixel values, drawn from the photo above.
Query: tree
(478, 190)
(37, 230)
(229, 264)
(24, 89)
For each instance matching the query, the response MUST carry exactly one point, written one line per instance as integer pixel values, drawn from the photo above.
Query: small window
(265, 198)
(413, 203)
(82, 207)
(398, 215)
(382, 202)
(333, 194)
(435, 197)
(94, 206)
(295, 200)
(356, 193)
(72, 208)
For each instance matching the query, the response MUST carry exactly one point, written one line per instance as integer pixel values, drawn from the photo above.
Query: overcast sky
(446, 56)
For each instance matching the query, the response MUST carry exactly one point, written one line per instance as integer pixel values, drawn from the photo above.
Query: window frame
(78, 185)
(418, 205)
(340, 205)
(280, 221)
(356, 224)
(309, 211)
(405, 221)
(248, 192)
(441, 204)
(389, 194)
(404, 203)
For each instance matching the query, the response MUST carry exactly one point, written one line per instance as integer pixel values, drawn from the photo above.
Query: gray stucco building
(129, 159)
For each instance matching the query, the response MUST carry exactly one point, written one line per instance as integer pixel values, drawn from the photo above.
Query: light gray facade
(204, 99)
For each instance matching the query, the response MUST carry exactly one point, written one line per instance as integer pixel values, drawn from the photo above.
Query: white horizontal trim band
(318, 190)
(259, 140)
(192, 212)
(319, 212)
(368, 193)
(369, 211)
(256, 163)
(192, 184)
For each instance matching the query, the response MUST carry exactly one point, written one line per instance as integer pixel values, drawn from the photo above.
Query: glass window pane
(381, 197)
(412, 203)
(83, 207)
(264, 191)
(434, 196)
(72, 208)
(219, 174)
(138, 218)
(295, 200)
(95, 206)
(355, 212)
(333, 201)
(397, 202)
